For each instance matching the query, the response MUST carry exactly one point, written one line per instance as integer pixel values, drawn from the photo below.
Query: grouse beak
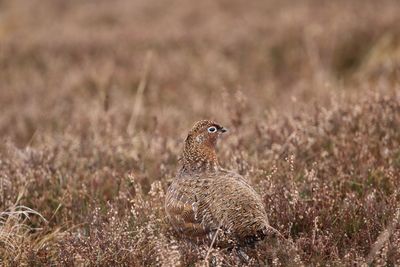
(223, 130)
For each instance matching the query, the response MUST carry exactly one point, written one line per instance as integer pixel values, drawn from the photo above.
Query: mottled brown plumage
(204, 197)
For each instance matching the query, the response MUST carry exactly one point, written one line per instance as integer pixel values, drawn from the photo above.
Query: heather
(96, 98)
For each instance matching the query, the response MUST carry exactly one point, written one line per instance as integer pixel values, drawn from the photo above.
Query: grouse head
(199, 151)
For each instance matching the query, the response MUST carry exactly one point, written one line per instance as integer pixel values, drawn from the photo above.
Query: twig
(139, 93)
(32, 138)
(54, 213)
(211, 245)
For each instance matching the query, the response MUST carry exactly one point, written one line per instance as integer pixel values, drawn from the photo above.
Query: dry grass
(96, 98)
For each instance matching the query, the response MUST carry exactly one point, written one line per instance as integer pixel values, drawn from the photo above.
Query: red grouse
(205, 198)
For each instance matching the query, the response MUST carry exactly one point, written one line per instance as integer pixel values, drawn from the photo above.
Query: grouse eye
(212, 129)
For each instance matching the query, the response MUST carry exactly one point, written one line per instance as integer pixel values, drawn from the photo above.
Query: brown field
(96, 98)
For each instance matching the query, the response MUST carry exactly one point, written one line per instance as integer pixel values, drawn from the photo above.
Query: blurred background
(66, 63)
(96, 98)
